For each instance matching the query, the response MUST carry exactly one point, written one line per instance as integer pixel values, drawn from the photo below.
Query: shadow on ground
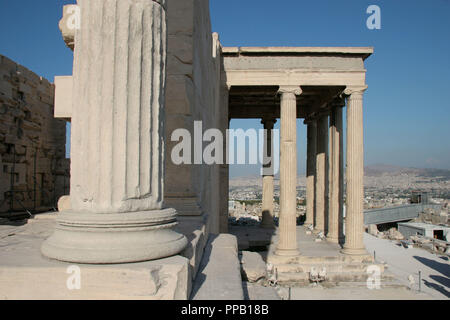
(437, 287)
(440, 267)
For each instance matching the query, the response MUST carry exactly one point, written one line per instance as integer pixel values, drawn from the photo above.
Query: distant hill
(378, 170)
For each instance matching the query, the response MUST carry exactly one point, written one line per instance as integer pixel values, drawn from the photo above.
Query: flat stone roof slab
(363, 51)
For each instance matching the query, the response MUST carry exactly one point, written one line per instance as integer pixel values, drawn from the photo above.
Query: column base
(114, 238)
(287, 252)
(354, 252)
(317, 231)
(335, 239)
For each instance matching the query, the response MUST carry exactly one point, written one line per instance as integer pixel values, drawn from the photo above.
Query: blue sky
(406, 108)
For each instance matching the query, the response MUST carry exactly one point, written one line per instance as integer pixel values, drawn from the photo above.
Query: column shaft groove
(288, 175)
(354, 222)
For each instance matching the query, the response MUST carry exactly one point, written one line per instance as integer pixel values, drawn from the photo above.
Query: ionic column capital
(355, 91)
(268, 122)
(310, 121)
(296, 90)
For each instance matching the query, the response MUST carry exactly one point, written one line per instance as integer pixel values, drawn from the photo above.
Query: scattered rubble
(253, 267)
(391, 234)
(394, 234)
(373, 230)
(316, 275)
(432, 217)
(434, 245)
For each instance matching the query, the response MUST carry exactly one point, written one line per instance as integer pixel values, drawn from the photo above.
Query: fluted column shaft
(321, 173)
(335, 201)
(354, 221)
(310, 171)
(340, 128)
(118, 85)
(267, 172)
(117, 145)
(288, 172)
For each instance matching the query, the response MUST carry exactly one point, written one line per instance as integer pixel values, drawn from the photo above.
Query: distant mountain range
(378, 170)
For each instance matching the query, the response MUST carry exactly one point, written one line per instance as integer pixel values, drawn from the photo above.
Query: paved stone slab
(26, 274)
(196, 231)
(253, 291)
(337, 293)
(403, 263)
(252, 236)
(219, 277)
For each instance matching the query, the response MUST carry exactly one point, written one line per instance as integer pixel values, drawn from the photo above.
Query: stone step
(330, 267)
(297, 278)
(304, 260)
(302, 278)
(384, 283)
(219, 276)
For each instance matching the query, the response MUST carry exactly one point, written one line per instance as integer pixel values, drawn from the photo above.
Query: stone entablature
(310, 66)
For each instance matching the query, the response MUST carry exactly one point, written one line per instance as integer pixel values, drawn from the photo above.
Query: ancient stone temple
(143, 69)
(314, 84)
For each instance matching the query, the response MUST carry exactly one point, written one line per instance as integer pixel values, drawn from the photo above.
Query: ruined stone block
(6, 90)
(63, 97)
(180, 17)
(179, 95)
(7, 64)
(181, 46)
(27, 126)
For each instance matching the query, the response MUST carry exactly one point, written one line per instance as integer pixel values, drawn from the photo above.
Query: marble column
(267, 173)
(287, 245)
(340, 128)
(310, 170)
(117, 144)
(334, 233)
(354, 221)
(321, 173)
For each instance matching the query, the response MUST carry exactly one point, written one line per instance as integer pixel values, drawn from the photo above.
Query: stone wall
(192, 94)
(32, 142)
(206, 80)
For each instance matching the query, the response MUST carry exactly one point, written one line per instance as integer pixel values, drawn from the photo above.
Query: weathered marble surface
(117, 162)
